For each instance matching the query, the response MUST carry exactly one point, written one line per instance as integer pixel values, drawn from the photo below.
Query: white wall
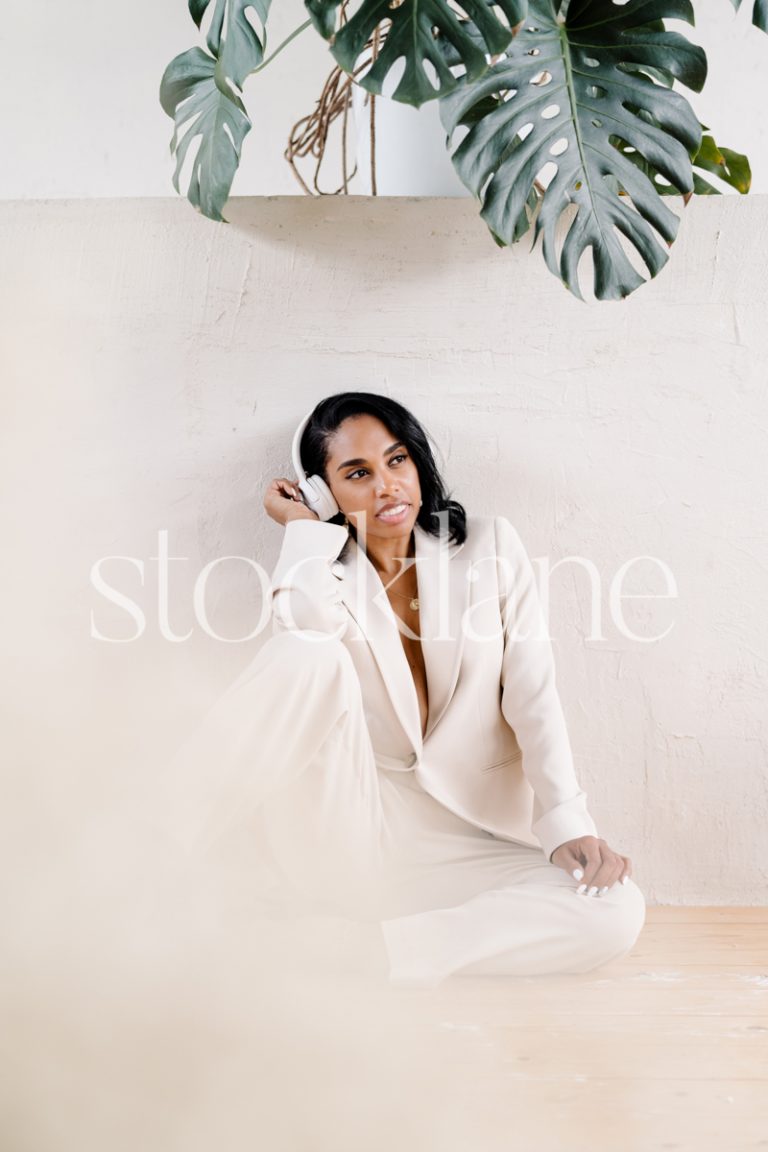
(155, 366)
(82, 117)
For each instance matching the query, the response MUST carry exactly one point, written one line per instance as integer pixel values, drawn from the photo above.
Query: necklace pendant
(415, 604)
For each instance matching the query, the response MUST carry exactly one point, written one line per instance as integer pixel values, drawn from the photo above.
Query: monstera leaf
(731, 167)
(564, 92)
(202, 95)
(759, 13)
(412, 27)
(231, 37)
(190, 93)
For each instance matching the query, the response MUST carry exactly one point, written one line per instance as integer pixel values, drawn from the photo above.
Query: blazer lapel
(443, 598)
(443, 594)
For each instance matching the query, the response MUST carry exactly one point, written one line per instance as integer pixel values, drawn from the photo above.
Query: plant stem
(280, 47)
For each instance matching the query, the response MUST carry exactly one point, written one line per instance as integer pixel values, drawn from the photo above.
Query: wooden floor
(218, 1043)
(665, 1049)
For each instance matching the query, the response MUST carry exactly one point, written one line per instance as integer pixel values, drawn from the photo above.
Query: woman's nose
(386, 484)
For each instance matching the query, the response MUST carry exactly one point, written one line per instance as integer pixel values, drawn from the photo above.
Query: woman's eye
(400, 456)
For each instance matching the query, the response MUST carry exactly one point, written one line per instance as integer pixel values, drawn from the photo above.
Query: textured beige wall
(154, 369)
(154, 366)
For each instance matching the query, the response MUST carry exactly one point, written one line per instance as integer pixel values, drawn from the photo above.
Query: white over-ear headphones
(317, 495)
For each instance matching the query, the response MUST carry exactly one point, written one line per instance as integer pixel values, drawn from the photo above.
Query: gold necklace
(412, 600)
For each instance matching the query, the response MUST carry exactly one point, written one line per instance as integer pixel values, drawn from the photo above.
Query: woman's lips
(389, 518)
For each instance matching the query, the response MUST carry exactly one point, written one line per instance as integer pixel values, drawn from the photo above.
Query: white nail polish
(581, 888)
(624, 879)
(603, 890)
(577, 873)
(592, 891)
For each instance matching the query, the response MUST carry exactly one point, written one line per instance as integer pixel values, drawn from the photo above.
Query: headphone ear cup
(319, 497)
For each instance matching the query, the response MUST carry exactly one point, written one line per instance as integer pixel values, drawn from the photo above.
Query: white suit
(444, 839)
(496, 750)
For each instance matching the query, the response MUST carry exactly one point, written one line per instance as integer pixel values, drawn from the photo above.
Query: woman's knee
(304, 650)
(616, 929)
(297, 663)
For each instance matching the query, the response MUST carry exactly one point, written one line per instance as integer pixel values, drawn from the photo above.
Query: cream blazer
(496, 749)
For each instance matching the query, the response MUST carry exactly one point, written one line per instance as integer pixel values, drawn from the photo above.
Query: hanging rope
(374, 54)
(309, 136)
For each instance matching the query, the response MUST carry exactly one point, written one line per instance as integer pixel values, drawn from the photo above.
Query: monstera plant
(561, 116)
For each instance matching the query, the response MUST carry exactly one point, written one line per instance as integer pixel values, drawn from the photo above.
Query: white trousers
(287, 751)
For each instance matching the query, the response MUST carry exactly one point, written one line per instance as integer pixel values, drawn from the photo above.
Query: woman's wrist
(300, 512)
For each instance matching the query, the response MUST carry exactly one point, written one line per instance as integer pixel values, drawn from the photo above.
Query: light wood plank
(666, 1049)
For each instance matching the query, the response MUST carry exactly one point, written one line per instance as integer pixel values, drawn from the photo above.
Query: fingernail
(577, 873)
(592, 891)
(624, 879)
(581, 889)
(603, 890)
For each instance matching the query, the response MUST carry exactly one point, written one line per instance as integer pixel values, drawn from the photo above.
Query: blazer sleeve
(306, 592)
(530, 702)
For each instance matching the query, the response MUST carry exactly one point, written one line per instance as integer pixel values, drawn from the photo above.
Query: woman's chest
(414, 654)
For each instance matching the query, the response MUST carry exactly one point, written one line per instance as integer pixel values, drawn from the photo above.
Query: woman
(427, 773)
(400, 735)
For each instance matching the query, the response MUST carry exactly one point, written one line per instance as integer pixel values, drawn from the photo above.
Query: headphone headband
(295, 453)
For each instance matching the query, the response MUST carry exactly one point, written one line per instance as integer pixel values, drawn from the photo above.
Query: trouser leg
(286, 751)
(326, 826)
(538, 925)
(577, 938)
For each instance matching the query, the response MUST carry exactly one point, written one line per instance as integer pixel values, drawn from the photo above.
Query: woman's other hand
(283, 502)
(599, 865)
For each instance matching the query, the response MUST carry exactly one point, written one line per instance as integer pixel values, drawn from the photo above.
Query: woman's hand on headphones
(283, 502)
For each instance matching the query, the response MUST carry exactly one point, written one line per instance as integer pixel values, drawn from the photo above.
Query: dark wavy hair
(326, 417)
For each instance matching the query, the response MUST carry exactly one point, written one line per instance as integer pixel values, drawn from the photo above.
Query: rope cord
(309, 136)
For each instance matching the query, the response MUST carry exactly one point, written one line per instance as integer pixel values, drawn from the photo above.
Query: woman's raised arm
(306, 593)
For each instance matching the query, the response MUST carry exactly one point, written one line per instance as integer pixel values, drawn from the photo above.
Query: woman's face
(369, 469)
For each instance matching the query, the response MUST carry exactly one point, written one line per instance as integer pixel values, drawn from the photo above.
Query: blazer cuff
(566, 821)
(313, 537)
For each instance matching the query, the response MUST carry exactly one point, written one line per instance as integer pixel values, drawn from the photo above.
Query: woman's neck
(387, 555)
